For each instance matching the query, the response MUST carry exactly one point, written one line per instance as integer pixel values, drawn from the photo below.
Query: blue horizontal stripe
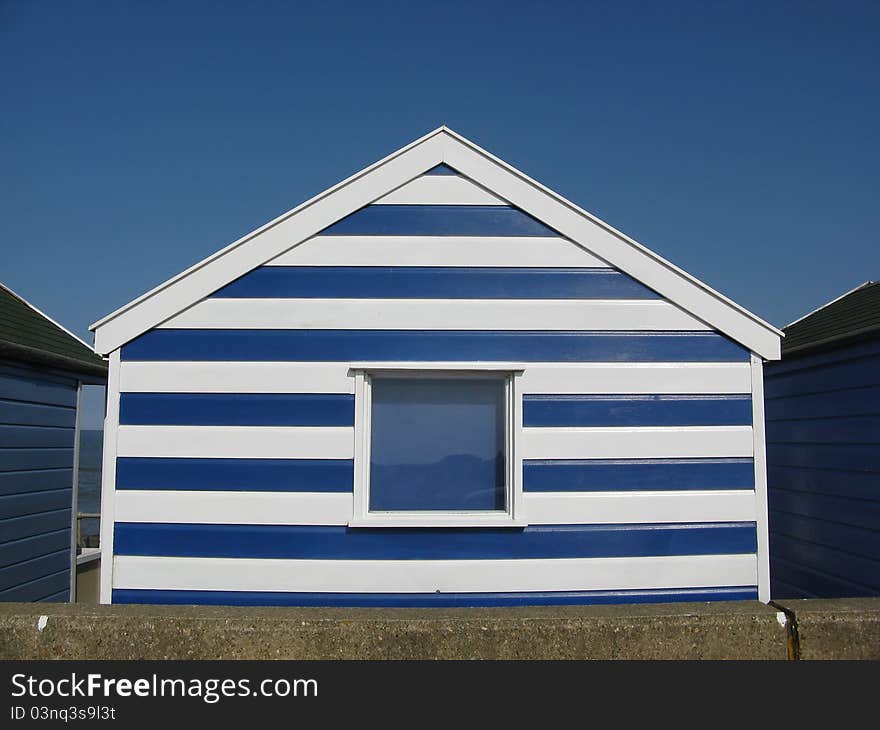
(250, 475)
(235, 409)
(438, 220)
(344, 543)
(619, 475)
(442, 169)
(637, 410)
(433, 282)
(435, 600)
(414, 345)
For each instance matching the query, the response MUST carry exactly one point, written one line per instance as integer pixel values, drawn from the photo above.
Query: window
(436, 447)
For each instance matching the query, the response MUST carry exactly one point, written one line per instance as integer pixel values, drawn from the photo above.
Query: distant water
(89, 500)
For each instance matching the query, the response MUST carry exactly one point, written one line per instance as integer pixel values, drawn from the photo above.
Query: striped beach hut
(437, 383)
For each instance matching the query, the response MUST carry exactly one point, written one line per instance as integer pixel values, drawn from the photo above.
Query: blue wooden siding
(823, 465)
(239, 409)
(37, 419)
(343, 543)
(625, 475)
(637, 410)
(439, 220)
(433, 282)
(337, 475)
(432, 600)
(432, 345)
(260, 475)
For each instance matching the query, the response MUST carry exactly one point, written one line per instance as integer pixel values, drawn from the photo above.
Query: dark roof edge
(32, 355)
(829, 341)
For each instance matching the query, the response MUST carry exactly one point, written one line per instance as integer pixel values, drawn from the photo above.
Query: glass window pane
(437, 444)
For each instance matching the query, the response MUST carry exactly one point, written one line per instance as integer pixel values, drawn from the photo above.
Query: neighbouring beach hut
(437, 383)
(823, 451)
(42, 370)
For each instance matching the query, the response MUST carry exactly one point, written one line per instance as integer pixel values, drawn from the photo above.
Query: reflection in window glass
(437, 444)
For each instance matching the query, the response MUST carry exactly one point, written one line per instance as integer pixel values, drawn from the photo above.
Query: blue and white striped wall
(232, 478)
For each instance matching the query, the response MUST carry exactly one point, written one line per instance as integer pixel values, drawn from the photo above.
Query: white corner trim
(440, 146)
(761, 496)
(108, 478)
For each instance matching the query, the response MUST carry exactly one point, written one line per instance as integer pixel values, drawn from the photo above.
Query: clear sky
(737, 139)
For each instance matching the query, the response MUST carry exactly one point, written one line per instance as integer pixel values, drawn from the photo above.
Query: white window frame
(513, 514)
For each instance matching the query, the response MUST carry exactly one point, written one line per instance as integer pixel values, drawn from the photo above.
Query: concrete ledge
(736, 630)
(842, 628)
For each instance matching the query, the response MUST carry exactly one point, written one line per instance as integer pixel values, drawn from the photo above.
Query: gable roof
(28, 335)
(853, 315)
(440, 147)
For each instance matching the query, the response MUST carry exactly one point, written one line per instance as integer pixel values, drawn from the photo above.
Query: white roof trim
(440, 146)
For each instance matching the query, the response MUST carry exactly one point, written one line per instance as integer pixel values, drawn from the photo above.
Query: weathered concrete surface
(841, 628)
(736, 630)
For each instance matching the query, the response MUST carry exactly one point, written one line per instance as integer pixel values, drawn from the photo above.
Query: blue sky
(738, 139)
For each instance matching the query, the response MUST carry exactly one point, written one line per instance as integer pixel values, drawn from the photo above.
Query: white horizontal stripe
(440, 190)
(435, 314)
(236, 377)
(233, 508)
(423, 576)
(236, 442)
(436, 251)
(317, 508)
(573, 508)
(334, 377)
(655, 442)
(611, 378)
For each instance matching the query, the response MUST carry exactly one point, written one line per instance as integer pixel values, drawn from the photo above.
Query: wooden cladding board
(37, 425)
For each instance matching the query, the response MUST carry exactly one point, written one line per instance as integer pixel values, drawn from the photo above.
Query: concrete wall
(735, 630)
